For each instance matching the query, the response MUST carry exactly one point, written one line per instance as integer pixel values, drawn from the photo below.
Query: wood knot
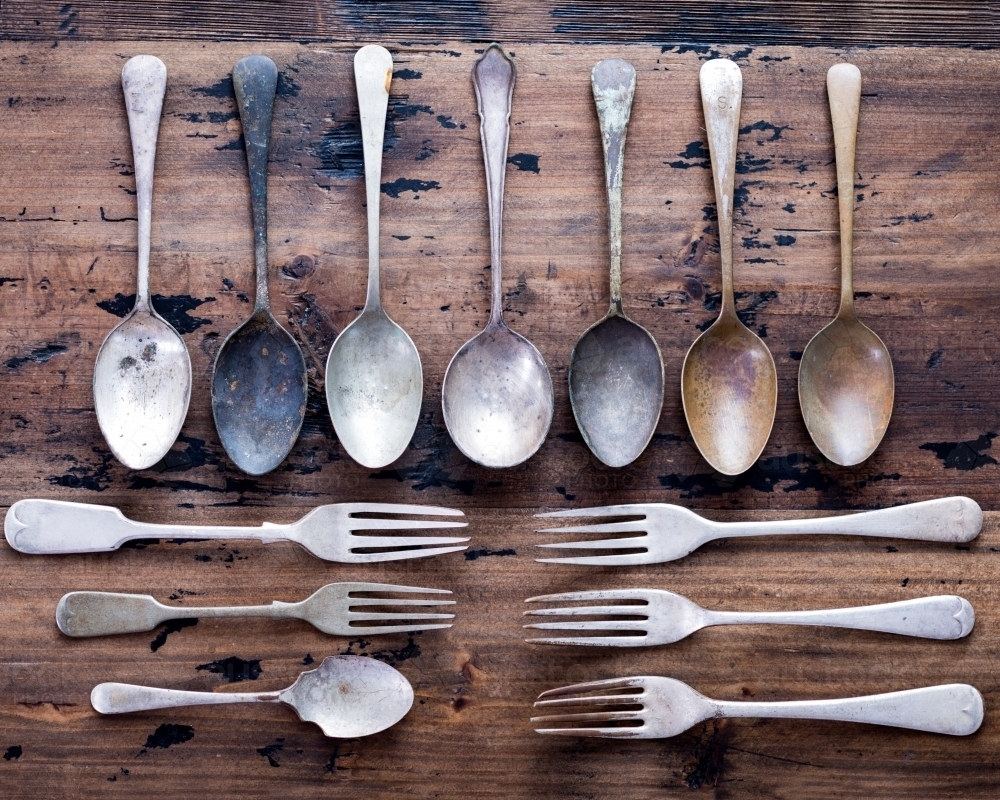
(302, 266)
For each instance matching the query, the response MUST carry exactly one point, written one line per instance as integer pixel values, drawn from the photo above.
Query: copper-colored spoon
(846, 384)
(729, 385)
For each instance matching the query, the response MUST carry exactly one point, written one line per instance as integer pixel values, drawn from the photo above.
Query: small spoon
(615, 371)
(497, 393)
(846, 384)
(142, 378)
(729, 385)
(374, 381)
(347, 696)
(259, 385)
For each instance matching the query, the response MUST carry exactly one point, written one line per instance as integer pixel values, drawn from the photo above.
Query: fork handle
(941, 617)
(955, 709)
(946, 519)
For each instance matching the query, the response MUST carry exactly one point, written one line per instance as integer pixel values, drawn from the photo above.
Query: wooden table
(925, 277)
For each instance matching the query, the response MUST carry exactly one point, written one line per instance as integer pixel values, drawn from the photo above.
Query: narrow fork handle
(955, 709)
(124, 698)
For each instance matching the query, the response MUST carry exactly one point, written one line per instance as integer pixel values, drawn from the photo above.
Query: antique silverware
(615, 370)
(374, 381)
(142, 378)
(846, 383)
(338, 609)
(328, 532)
(669, 532)
(668, 707)
(643, 617)
(347, 696)
(497, 393)
(729, 386)
(259, 386)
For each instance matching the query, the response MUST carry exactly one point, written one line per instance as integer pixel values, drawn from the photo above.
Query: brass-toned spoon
(846, 383)
(729, 385)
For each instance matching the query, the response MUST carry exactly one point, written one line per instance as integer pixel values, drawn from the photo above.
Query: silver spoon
(374, 381)
(615, 371)
(142, 378)
(497, 393)
(260, 383)
(347, 696)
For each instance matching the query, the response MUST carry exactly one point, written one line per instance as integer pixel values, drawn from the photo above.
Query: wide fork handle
(124, 698)
(955, 709)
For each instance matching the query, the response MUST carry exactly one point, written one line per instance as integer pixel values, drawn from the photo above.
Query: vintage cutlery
(328, 532)
(259, 386)
(643, 617)
(670, 532)
(615, 370)
(729, 386)
(374, 381)
(347, 696)
(142, 378)
(667, 707)
(333, 609)
(846, 384)
(497, 393)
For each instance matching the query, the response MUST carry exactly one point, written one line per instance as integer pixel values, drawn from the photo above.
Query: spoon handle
(613, 81)
(255, 79)
(144, 83)
(493, 77)
(124, 698)
(843, 85)
(721, 98)
(372, 76)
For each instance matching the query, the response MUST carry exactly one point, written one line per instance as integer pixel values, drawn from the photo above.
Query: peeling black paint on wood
(167, 735)
(234, 669)
(169, 627)
(793, 473)
(271, 751)
(359, 647)
(473, 555)
(13, 753)
(963, 455)
(173, 308)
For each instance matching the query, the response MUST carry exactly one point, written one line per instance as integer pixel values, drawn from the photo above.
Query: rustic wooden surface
(925, 277)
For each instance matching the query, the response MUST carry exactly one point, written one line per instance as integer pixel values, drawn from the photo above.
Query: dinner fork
(333, 609)
(651, 707)
(654, 616)
(328, 532)
(670, 532)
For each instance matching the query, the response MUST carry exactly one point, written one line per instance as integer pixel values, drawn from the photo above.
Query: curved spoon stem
(493, 78)
(843, 85)
(372, 76)
(144, 83)
(721, 98)
(255, 79)
(613, 81)
(123, 698)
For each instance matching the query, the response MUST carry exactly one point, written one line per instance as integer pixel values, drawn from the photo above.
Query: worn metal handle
(493, 77)
(124, 698)
(255, 79)
(144, 83)
(613, 82)
(843, 86)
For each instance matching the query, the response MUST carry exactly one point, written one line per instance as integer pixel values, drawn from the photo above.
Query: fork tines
(394, 548)
(636, 544)
(631, 632)
(580, 695)
(409, 621)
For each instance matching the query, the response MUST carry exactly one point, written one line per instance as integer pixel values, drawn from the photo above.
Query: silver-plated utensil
(259, 385)
(328, 532)
(374, 381)
(669, 532)
(142, 378)
(337, 609)
(644, 617)
(615, 370)
(347, 696)
(668, 707)
(497, 393)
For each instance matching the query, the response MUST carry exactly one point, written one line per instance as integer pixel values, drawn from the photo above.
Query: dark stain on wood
(963, 455)
(167, 735)
(474, 555)
(270, 752)
(173, 308)
(169, 627)
(234, 669)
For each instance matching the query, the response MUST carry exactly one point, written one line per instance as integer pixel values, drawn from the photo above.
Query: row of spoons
(497, 395)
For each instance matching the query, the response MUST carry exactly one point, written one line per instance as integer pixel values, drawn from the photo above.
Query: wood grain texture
(925, 259)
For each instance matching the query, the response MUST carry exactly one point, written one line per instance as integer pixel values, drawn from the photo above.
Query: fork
(651, 707)
(331, 609)
(671, 532)
(328, 532)
(656, 617)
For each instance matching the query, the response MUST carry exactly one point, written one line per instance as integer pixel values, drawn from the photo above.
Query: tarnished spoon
(374, 381)
(142, 378)
(497, 392)
(846, 384)
(615, 371)
(260, 383)
(729, 385)
(347, 696)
